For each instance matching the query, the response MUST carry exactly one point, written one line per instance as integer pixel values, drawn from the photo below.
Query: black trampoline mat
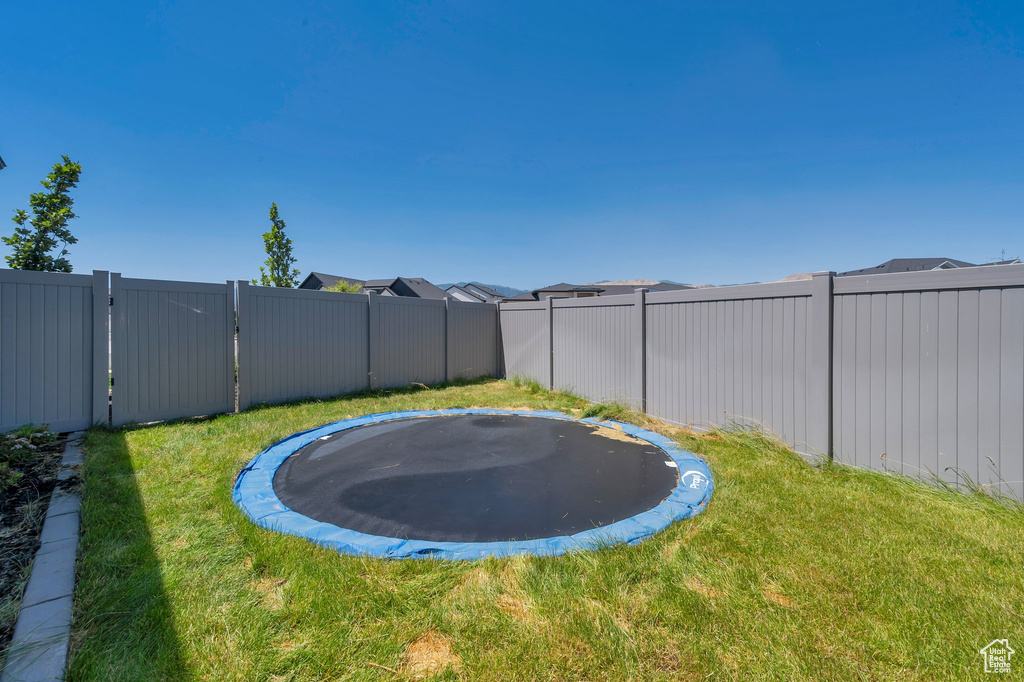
(475, 478)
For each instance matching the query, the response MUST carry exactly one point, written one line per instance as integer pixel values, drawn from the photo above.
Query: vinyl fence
(921, 373)
(53, 349)
(172, 349)
(928, 373)
(77, 350)
(294, 343)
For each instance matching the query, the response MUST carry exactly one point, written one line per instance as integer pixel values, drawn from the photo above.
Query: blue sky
(522, 143)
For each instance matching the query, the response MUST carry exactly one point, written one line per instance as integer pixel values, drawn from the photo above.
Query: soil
(22, 510)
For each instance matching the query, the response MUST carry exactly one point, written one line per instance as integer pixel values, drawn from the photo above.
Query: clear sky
(522, 143)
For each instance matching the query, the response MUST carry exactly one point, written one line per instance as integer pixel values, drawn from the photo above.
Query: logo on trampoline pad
(697, 479)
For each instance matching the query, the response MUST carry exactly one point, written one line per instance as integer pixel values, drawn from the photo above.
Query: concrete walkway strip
(39, 648)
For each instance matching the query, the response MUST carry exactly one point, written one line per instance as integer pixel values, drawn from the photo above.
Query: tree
(278, 271)
(51, 211)
(344, 287)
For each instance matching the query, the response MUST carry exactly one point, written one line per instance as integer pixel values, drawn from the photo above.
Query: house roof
(600, 288)
(485, 289)
(467, 292)
(416, 286)
(327, 280)
(423, 288)
(525, 296)
(908, 265)
(566, 287)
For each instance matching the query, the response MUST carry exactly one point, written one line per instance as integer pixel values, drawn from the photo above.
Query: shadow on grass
(123, 625)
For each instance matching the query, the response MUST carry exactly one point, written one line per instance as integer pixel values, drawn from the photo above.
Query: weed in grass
(616, 411)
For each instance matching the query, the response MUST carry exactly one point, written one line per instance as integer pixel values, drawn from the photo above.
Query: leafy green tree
(278, 271)
(51, 211)
(344, 287)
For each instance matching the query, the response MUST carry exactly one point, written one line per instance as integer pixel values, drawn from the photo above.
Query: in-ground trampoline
(463, 484)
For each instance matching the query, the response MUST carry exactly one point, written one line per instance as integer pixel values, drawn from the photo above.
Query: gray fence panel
(596, 344)
(50, 326)
(172, 349)
(472, 340)
(525, 339)
(745, 360)
(408, 340)
(931, 380)
(295, 343)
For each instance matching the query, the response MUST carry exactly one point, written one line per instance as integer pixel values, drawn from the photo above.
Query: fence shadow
(124, 625)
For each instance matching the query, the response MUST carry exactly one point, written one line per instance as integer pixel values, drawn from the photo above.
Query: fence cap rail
(731, 293)
(982, 277)
(34, 277)
(169, 285)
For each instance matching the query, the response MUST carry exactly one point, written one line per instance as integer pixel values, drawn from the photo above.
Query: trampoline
(469, 483)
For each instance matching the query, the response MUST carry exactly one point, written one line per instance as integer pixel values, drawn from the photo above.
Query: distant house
(320, 280)
(919, 264)
(471, 292)
(614, 288)
(412, 287)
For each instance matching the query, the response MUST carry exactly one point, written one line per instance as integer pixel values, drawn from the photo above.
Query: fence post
(499, 363)
(231, 327)
(372, 333)
(640, 352)
(244, 348)
(100, 347)
(448, 339)
(819, 399)
(118, 352)
(551, 342)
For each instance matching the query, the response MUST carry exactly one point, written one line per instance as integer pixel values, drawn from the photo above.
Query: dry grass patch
(271, 592)
(694, 584)
(429, 655)
(777, 598)
(614, 432)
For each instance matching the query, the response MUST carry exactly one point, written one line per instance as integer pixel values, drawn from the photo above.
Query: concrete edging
(42, 633)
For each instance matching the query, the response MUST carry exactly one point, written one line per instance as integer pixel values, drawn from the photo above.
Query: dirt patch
(429, 655)
(614, 432)
(694, 584)
(777, 598)
(27, 478)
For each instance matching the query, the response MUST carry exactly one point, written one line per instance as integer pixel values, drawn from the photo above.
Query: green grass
(792, 572)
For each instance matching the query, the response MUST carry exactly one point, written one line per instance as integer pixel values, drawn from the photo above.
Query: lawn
(792, 572)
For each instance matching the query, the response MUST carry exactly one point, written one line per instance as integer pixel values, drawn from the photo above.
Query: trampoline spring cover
(254, 493)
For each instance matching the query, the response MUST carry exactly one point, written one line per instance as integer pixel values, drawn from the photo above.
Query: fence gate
(172, 347)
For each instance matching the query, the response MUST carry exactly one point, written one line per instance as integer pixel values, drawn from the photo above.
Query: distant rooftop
(910, 265)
